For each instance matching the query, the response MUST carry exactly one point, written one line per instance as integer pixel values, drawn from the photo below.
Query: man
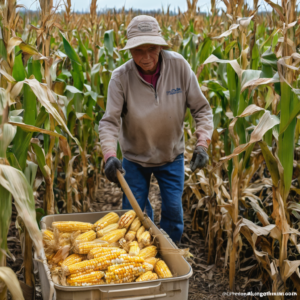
(147, 98)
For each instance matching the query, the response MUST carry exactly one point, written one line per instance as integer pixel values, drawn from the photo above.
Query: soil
(207, 282)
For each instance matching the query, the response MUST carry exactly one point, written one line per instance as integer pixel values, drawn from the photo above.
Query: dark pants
(170, 178)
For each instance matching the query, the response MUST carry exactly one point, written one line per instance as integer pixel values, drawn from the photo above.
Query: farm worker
(146, 104)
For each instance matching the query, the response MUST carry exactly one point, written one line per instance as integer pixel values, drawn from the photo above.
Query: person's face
(146, 57)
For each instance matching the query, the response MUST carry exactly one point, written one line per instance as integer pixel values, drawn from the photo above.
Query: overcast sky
(135, 4)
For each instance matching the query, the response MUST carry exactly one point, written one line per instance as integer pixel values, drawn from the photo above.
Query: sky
(135, 4)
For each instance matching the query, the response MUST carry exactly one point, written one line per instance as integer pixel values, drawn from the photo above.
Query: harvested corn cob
(125, 258)
(48, 236)
(95, 264)
(134, 248)
(86, 278)
(73, 259)
(151, 260)
(114, 235)
(70, 226)
(145, 238)
(107, 229)
(85, 247)
(117, 251)
(86, 237)
(126, 219)
(148, 252)
(124, 272)
(130, 236)
(100, 251)
(136, 224)
(147, 276)
(140, 231)
(108, 219)
(49, 256)
(162, 270)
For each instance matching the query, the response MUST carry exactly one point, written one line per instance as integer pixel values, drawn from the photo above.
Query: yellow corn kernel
(125, 258)
(49, 256)
(134, 248)
(145, 238)
(108, 219)
(48, 235)
(73, 259)
(114, 235)
(86, 237)
(140, 231)
(86, 278)
(124, 272)
(107, 229)
(136, 224)
(147, 252)
(162, 270)
(85, 247)
(130, 236)
(100, 251)
(126, 219)
(117, 251)
(96, 264)
(70, 226)
(151, 260)
(147, 276)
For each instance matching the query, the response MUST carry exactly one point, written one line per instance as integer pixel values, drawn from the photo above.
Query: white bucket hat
(143, 30)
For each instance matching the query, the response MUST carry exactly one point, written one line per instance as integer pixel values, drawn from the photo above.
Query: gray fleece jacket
(149, 123)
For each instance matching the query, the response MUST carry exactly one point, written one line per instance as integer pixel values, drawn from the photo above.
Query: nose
(147, 55)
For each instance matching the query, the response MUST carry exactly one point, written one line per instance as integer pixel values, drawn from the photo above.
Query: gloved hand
(111, 166)
(200, 158)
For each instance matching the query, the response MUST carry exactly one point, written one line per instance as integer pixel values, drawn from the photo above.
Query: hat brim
(142, 40)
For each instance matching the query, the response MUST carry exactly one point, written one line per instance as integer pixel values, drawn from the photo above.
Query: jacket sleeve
(109, 126)
(199, 107)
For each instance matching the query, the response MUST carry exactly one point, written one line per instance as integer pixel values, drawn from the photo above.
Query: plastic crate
(176, 288)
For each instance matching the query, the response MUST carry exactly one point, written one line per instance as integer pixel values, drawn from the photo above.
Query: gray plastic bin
(176, 288)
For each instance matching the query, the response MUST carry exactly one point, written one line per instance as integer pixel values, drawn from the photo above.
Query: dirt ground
(207, 282)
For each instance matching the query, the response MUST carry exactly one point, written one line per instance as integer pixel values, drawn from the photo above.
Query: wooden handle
(143, 217)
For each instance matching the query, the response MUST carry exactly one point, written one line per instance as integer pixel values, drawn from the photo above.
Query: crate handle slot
(132, 289)
(143, 297)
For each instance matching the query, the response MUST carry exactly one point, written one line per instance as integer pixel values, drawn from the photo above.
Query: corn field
(55, 69)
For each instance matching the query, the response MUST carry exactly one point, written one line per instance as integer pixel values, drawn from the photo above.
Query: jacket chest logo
(174, 91)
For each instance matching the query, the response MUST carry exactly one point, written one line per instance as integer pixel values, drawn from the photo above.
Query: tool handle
(126, 189)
